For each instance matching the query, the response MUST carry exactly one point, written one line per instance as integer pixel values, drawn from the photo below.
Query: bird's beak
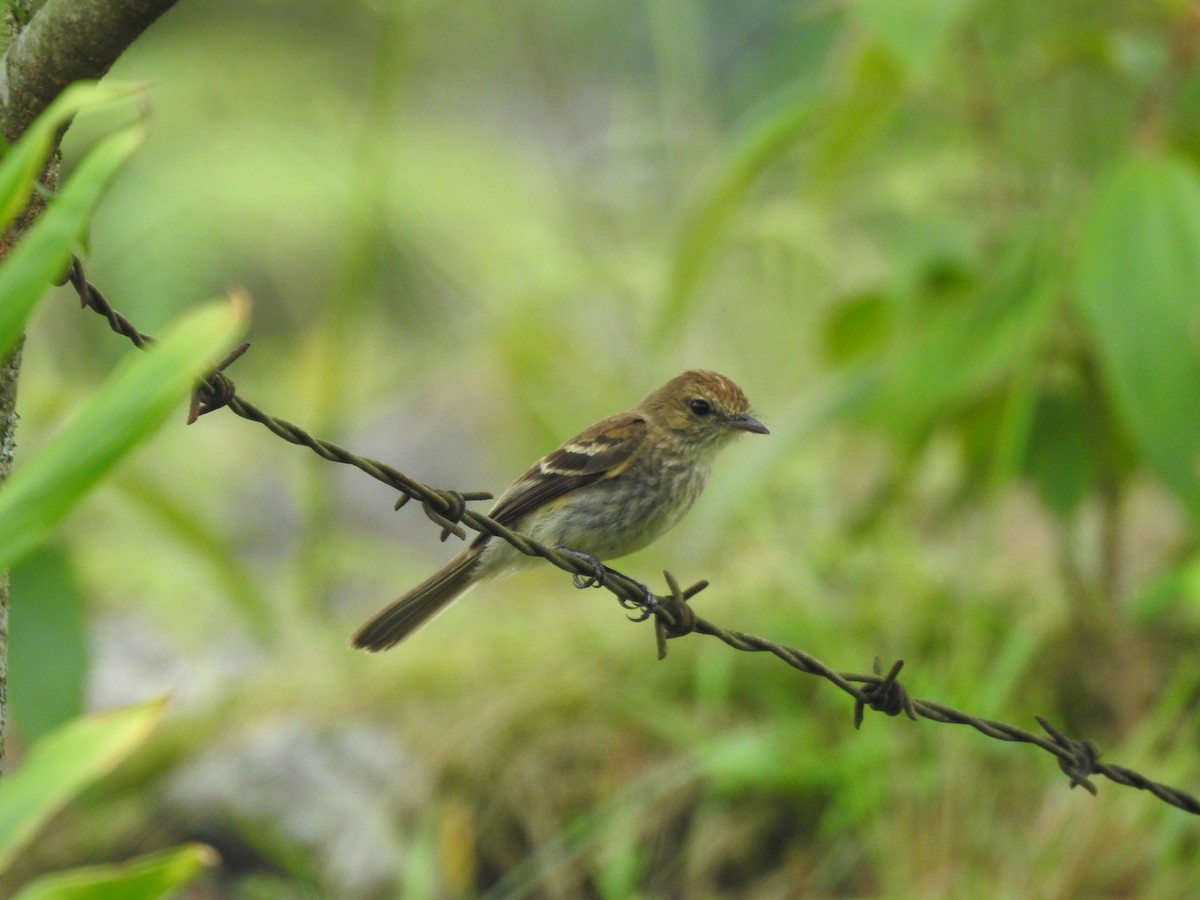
(747, 422)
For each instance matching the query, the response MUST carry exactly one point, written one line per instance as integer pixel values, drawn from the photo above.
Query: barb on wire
(216, 390)
(447, 521)
(673, 617)
(886, 696)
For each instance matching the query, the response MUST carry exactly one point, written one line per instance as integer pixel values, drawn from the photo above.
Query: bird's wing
(603, 451)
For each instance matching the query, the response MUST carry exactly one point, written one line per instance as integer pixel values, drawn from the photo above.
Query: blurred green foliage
(50, 662)
(61, 764)
(949, 250)
(120, 414)
(57, 768)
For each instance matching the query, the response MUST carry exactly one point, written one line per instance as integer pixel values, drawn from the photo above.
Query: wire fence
(673, 616)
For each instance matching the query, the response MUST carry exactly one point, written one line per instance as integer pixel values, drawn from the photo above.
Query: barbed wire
(673, 617)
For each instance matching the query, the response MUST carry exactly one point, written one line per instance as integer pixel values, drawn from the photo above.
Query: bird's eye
(699, 407)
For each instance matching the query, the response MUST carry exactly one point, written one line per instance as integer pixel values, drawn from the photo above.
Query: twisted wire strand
(1078, 759)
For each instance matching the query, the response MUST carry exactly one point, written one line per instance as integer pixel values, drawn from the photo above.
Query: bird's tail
(396, 622)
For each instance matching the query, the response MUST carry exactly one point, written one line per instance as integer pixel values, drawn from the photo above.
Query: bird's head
(702, 408)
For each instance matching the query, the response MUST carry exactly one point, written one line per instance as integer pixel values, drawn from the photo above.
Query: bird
(611, 490)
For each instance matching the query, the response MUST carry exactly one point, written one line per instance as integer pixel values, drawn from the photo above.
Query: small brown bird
(608, 491)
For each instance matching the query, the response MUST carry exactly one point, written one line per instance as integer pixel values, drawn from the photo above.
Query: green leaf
(126, 410)
(144, 878)
(62, 764)
(48, 653)
(954, 351)
(23, 161)
(1139, 287)
(42, 255)
(1061, 455)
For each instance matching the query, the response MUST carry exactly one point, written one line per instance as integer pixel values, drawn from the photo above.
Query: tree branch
(67, 41)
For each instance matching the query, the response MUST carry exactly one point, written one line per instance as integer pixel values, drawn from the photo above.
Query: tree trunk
(9, 369)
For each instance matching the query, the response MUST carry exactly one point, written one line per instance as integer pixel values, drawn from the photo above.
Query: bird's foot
(599, 578)
(599, 575)
(647, 605)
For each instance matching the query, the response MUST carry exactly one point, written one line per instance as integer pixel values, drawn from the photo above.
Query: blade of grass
(62, 764)
(152, 876)
(23, 161)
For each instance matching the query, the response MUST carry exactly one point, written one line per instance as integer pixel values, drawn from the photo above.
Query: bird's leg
(648, 604)
(599, 570)
(599, 578)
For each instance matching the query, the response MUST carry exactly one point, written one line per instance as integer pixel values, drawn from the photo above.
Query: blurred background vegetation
(951, 250)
